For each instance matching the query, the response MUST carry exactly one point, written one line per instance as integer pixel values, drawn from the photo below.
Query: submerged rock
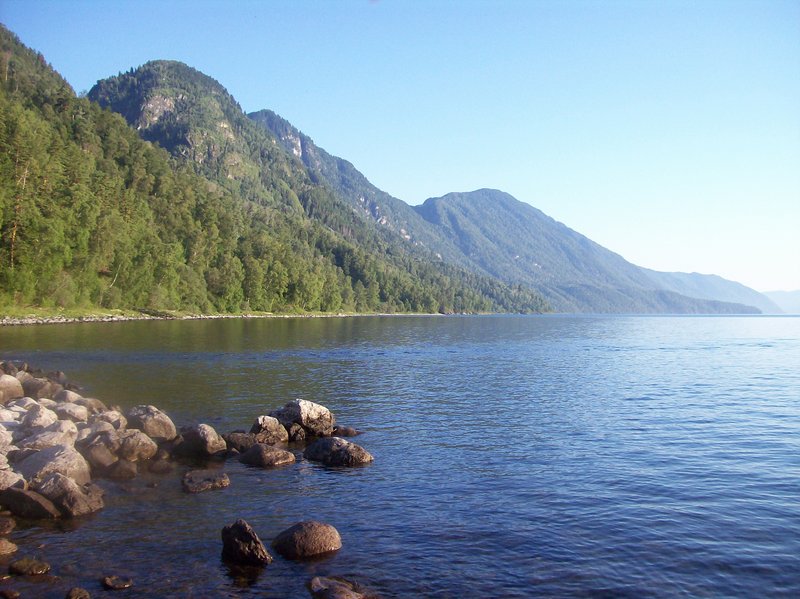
(197, 481)
(266, 456)
(334, 587)
(116, 583)
(241, 545)
(7, 547)
(78, 593)
(27, 566)
(307, 539)
(335, 451)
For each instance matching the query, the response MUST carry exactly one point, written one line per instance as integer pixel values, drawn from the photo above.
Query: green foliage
(93, 215)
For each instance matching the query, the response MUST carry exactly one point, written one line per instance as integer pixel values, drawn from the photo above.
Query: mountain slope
(712, 287)
(195, 118)
(787, 301)
(515, 242)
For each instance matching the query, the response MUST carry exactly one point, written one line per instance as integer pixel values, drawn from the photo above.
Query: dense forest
(93, 215)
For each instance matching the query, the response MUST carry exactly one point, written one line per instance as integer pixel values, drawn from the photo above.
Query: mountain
(494, 234)
(92, 215)
(201, 125)
(787, 301)
(713, 287)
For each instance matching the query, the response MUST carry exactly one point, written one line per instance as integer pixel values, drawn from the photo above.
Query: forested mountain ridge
(515, 242)
(93, 215)
(579, 274)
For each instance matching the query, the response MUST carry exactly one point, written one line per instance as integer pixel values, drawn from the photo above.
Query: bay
(515, 456)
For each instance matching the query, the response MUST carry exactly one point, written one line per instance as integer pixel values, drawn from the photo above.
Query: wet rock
(116, 583)
(136, 446)
(7, 547)
(240, 441)
(335, 451)
(334, 587)
(27, 566)
(345, 431)
(160, 467)
(307, 539)
(98, 454)
(71, 411)
(71, 499)
(152, 422)
(297, 434)
(29, 504)
(38, 417)
(269, 430)
(9, 594)
(266, 456)
(10, 388)
(198, 481)
(40, 387)
(315, 419)
(241, 545)
(78, 593)
(7, 525)
(59, 458)
(201, 441)
(122, 470)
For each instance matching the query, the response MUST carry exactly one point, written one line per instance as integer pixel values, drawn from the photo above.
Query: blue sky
(668, 132)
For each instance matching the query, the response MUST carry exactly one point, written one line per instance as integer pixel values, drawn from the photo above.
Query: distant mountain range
(248, 213)
(787, 301)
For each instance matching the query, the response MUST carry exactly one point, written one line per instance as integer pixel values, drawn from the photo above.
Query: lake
(515, 456)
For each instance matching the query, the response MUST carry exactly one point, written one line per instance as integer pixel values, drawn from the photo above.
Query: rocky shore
(55, 444)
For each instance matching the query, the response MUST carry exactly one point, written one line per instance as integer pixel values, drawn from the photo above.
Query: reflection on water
(515, 456)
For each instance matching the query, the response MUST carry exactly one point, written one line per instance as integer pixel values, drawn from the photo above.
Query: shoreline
(33, 320)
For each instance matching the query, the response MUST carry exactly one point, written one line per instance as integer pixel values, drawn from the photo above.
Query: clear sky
(668, 131)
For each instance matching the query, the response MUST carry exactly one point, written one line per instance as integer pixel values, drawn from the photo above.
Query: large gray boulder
(241, 546)
(9, 478)
(335, 451)
(315, 419)
(269, 430)
(40, 387)
(59, 458)
(71, 411)
(114, 417)
(69, 497)
(38, 417)
(61, 432)
(153, 422)
(10, 388)
(201, 440)
(67, 396)
(29, 504)
(135, 446)
(307, 539)
(240, 441)
(266, 456)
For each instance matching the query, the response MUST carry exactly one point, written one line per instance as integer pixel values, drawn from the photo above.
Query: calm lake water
(514, 456)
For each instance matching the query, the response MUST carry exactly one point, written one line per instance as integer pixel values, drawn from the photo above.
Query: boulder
(160, 467)
(7, 547)
(95, 406)
(9, 478)
(241, 545)
(269, 430)
(78, 593)
(315, 419)
(27, 566)
(297, 434)
(345, 431)
(59, 458)
(25, 503)
(307, 539)
(335, 451)
(240, 441)
(334, 587)
(61, 432)
(197, 481)
(71, 499)
(38, 417)
(266, 456)
(10, 388)
(67, 396)
(40, 387)
(201, 440)
(114, 417)
(7, 525)
(136, 446)
(71, 411)
(98, 454)
(153, 422)
(116, 583)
